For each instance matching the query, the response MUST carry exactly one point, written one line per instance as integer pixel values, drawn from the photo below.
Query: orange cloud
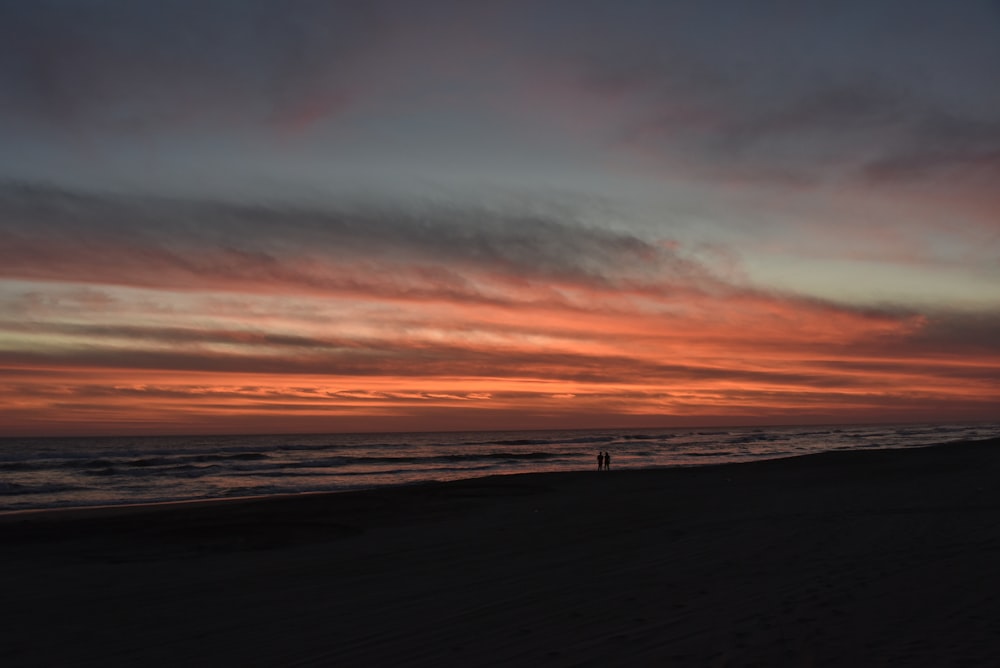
(540, 366)
(367, 323)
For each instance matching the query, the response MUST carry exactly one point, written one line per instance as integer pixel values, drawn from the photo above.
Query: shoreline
(839, 558)
(16, 515)
(90, 473)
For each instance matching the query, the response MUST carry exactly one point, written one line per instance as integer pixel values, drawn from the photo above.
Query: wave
(90, 464)
(523, 441)
(757, 438)
(15, 489)
(554, 441)
(336, 465)
(19, 466)
(181, 459)
(179, 471)
(342, 460)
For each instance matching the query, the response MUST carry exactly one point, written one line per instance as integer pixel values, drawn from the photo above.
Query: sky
(274, 216)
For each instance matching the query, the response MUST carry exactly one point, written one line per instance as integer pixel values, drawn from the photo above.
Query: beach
(849, 558)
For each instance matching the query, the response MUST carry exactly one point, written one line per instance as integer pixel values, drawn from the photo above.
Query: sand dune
(877, 558)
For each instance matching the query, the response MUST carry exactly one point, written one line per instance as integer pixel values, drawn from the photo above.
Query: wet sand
(875, 558)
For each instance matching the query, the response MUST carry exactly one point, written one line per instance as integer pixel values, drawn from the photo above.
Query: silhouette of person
(607, 461)
(600, 461)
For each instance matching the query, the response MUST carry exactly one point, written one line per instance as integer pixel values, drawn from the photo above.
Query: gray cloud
(833, 131)
(772, 92)
(116, 64)
(941, 146)
(958, 333)
(775, 92)
(416, 250)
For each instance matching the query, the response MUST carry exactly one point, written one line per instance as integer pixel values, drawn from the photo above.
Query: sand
(875, 558)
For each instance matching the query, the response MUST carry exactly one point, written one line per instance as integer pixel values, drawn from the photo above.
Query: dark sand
(877, 558)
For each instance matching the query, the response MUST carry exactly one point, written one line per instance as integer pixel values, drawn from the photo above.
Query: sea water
(64, 472)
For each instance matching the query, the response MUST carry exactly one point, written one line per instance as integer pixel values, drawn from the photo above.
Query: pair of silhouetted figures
(603, 461)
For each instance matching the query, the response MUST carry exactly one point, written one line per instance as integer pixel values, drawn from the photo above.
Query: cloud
(958, 334)
(821, 134)
(446, 272)
(417, 252)
(203, 307)
(535, 301)
(941, 147)
(117, 65)
(776, 95)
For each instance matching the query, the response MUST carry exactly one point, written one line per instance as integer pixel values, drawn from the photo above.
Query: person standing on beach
(607, 461)
(600, 461)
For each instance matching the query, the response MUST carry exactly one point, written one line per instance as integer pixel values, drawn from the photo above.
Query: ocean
(70, 472)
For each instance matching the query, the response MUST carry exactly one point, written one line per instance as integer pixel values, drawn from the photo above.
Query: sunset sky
(305, 216)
